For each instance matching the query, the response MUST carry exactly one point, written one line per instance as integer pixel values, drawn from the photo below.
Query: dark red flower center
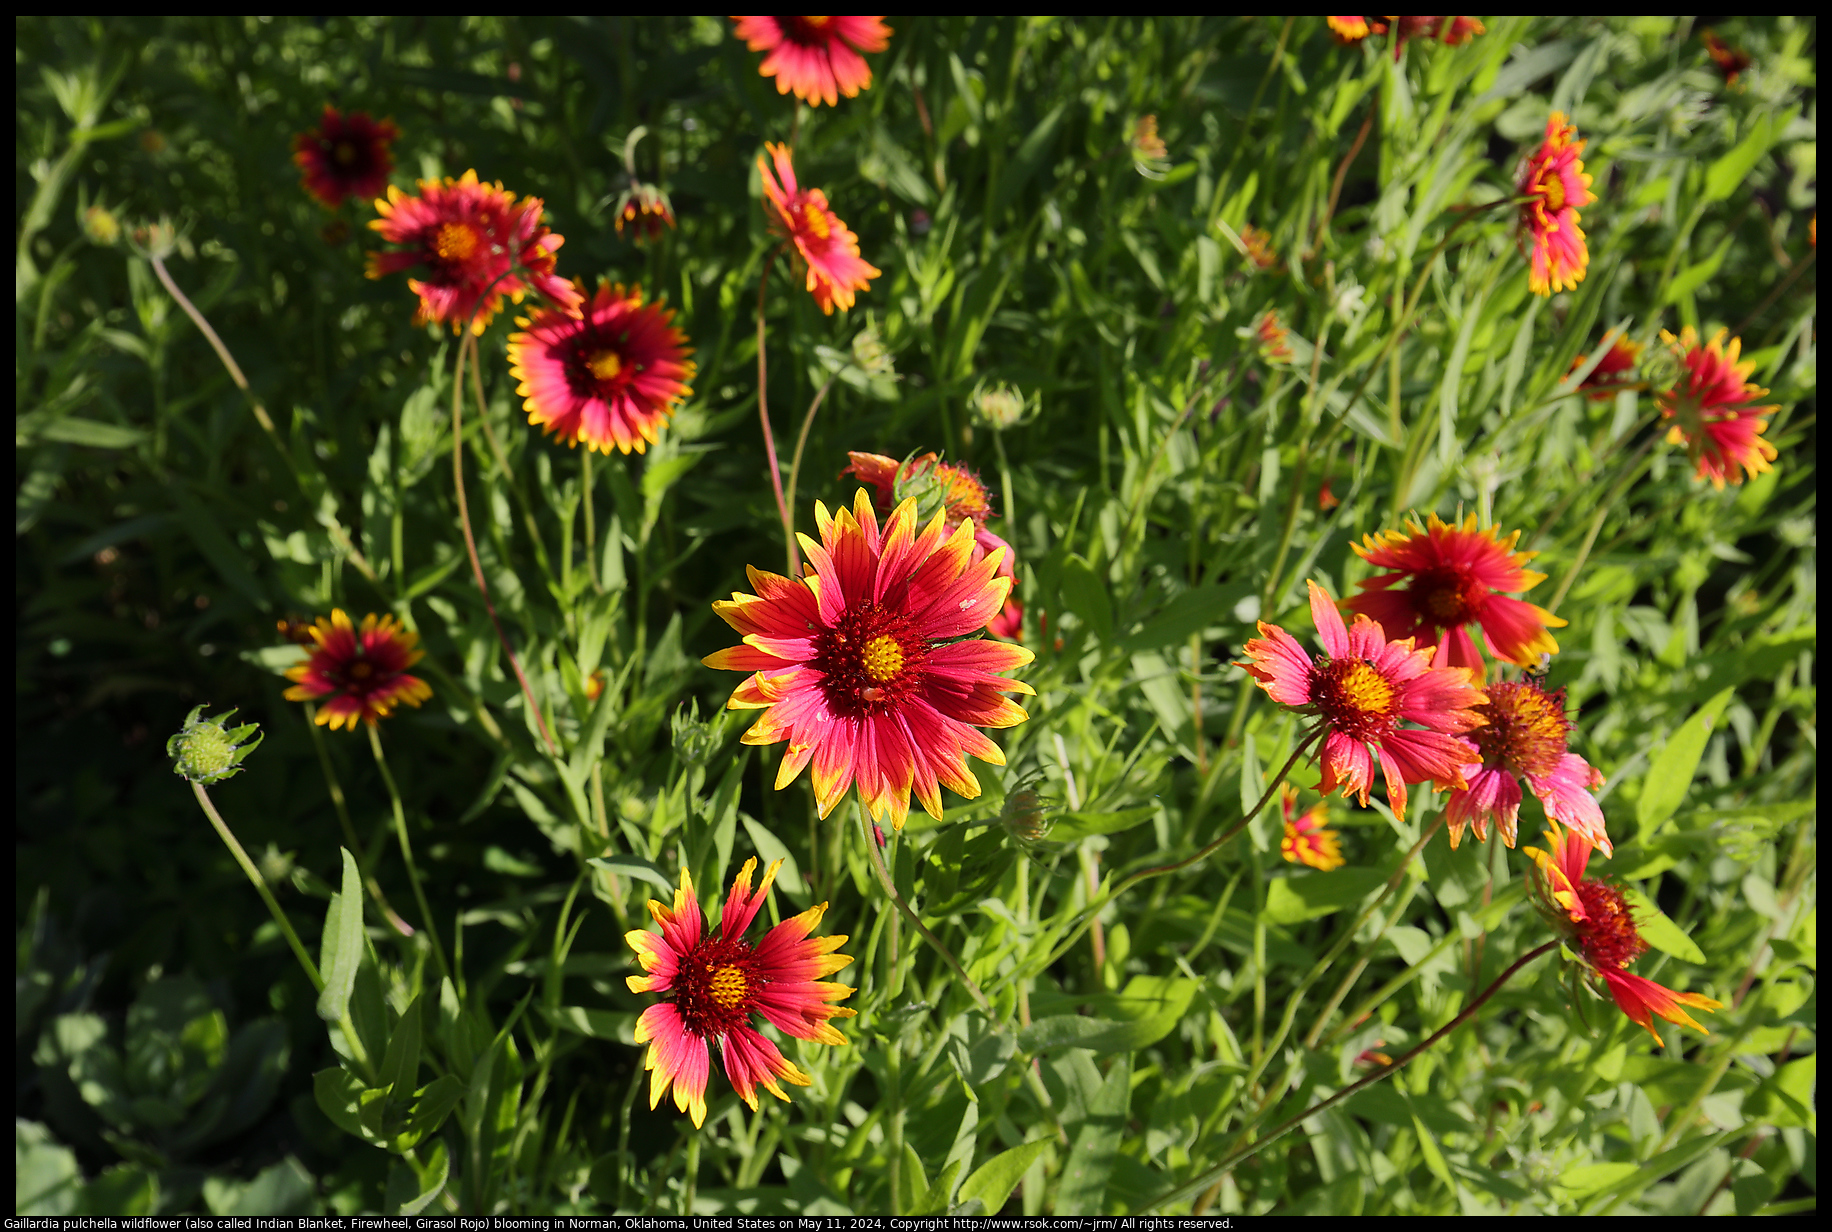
(1526, 728)
(809, 31)
(345, 153)
(716, 985)
(870, 661)
(1446, 596)
(1608, 935)
(1355, 698)
(599, 364)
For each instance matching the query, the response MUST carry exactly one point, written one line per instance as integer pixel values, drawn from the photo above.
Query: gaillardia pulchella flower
(475, 244)
(958, 493)
(1441, 579)
(1360, 691)
(1524, 738)
(717, 981)
(815, 57)
(610, 377)
(856, 664)
(822, 242)
(1555, 185)
(1711, 409)
(358, 673)
(345, 156)
(1615, 371)
(1593, 918)
(1307, 840)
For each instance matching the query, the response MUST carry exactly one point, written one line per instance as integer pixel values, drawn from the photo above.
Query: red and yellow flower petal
(1641, 998)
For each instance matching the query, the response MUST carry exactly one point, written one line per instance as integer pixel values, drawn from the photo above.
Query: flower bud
(205, 751)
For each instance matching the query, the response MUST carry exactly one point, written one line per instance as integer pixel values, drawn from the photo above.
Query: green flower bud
(205, 751)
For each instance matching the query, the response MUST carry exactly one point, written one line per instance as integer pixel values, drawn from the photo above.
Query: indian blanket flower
(610, 377)
(1729, 61)
(1259, 247)
(1594, 919)
(816, 57)
(961, 497)
(1360, 690)
(1711, 412)
(822, 242)
(716, 981)
(856, 666)
(1615, 371)
(1450, 30)
(1449, 575)
(1554, 183)
(345, 156)
(1524, 739)
(476, 244)
(358, 673)
(1306, 840)
(1272, 338)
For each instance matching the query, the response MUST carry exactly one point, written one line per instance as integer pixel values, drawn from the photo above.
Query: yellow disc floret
(883, 658)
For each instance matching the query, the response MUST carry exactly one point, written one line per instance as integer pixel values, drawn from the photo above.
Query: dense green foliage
(1170, 486)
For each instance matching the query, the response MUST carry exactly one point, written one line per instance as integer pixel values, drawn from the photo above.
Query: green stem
(691, 1176)
(591, 525)
(763, 416)
(893, 1068)
(876, 859)
(1010, 510)
(260, 885)
(343, 816)
(413, 871)
(1629, 472)
(470, 541)
(801, 443)
(1093, 909)
(1235, 1158)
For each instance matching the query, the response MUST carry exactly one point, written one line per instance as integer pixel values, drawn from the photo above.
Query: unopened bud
(205, 751)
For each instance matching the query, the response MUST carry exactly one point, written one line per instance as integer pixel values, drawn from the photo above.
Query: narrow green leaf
(1308, 896)
(432, 1104)
(1434, 1158)
(401, 1063)
(1659, 931)
(1072, 826)
(1731, 169)
(634, 866)
(90, 432)
(992, 1182)
(1086, 595)
(1670, 771)
(341, 949)
(598, 1024)
(1085, 1172)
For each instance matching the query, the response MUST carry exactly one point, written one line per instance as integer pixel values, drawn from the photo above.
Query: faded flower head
(999, 406)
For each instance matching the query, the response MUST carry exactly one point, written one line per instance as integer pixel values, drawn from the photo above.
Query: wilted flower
(645, 210)
(816, 57)
(1554, 182)
(1524, 739)
(1150, 156)
(1594, 919)
(1450, 575)
(358, 673)
(611, 377)
(1259, 247)
(1274, 344)
(1711, 412)
(822, 242)
(717, 981)
(100, 225)
(1360, 691)
(859, 667)
(345, 156)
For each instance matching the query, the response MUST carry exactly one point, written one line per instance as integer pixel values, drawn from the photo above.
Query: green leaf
(432, 1104)
(411, 1187)
(1730, 170)
(1083, 1186)
(598, 1024)
(1434, 1158)
(339, 1094)
(281, 1190)
(1147, 1010)
(1189, 613)
(1693, 277)
(1072, 826)
(1030, 156)
(1659, 931)
(46, 1178)
(401, 1063)
(341, 949)
(90, 432)
(1584, 1179)
(912, 1186)
(992, 1182)
(1670, 771)
(637, 867)
(1309, 896)
(1086, 595)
